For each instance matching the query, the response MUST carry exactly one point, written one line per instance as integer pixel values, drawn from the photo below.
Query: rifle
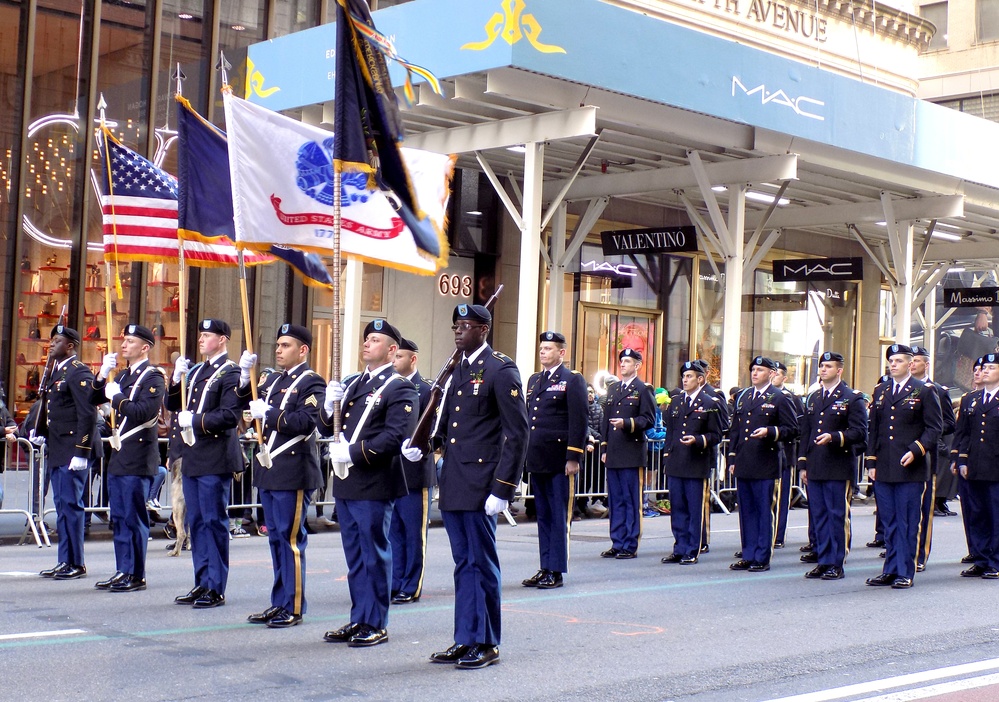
(421, 436)
(40, 416)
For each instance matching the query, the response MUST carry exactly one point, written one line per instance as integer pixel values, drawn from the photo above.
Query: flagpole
(187, 433)
(262, 454)
(337, 331)
(108, 317)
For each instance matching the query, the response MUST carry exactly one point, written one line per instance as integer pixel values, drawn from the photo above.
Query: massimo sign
(818, 269)
(649, 241)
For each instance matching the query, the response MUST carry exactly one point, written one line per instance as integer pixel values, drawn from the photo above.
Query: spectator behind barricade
(656, 434)
(10, 435)
(595, 472)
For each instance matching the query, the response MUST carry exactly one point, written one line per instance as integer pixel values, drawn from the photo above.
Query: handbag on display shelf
(33, 331)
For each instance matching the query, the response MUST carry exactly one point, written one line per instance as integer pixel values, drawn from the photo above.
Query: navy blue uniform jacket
(757, 459)
(977, 440)
(558, 412)
(483, 432)
(140, 452)
(216, 441)
(72, 417)
(627, 447)
(843, 415)
(910, 421)
(704, 420)
(377, 473)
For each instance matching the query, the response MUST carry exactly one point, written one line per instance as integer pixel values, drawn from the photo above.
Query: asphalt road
(621, 630)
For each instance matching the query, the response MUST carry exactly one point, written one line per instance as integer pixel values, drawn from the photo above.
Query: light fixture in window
(767, 198)
(945, 236)
(238, 27)
(474, 213)
(185, 16)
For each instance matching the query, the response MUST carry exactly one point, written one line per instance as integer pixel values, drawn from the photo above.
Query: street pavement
(621, 630)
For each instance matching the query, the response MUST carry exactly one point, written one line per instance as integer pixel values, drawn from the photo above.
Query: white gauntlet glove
(79, 463)
(495, 505)
(411, 453)
(111, 390)
(109, 363)
(334, 393)
(246, 363)
(180, 368)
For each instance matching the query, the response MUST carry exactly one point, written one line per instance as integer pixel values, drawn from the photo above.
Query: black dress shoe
(920, 567)
(740, 565)
(974, 571)
(284, 619)
(533, 580)
(816, 572)
(833, 573)
(901, 583)
(877, 543)
(621, 556)
(807, 547)
(778, 544)
(343, 634)
(404, 598)
(968, 559)
(551, 581)
(882, 554)
(609, 553)
(810, 557)
(191, 597)
(263, 617)
(106, 584)
(759, 567)
(70, 572)
(367, 636)
(209, 599)
(129, 583)
(50, 572)
(705, 548)
(737, 554)
(451, 655)
(882, 580)
(671, 558)
(991, 574)
(688, 560)
(479, 656)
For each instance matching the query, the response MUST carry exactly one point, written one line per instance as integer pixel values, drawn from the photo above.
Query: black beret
(408, 345)
(381, 326)
(552, 336)
(990, 358)
(702, 363)
(920, 351)
(831, 356)
(215, 326)
(780, 366)
(471, 313)
(629, 353)
(896, 349)
(67, 332)
(979, 362)
(140, 332)
(762, 361)
(295, 332)
(692, 366)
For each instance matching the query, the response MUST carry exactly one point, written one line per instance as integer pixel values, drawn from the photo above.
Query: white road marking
(925, 676)
(40, 634)
(938, 689)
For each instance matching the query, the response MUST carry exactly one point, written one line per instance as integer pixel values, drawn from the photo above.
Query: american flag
(139, 205)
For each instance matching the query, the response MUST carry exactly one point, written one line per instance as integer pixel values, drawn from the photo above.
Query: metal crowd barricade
(23, 464)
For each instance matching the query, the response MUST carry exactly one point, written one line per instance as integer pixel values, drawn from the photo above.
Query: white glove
(180, 368)
(185, 419)
(258, 409)
(246, 363)
(38, 441)
(109, 363)
(79, 463)
(411, 453)
(340, 452)
(495, 505)
(111, 390)
(334, 393)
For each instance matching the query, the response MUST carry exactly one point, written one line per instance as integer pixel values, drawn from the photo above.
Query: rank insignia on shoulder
(514, 392)
(311, 401)
(408, 408)
(501, 356)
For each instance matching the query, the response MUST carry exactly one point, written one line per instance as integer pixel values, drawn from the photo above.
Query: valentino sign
(649, 241)
(818, 269)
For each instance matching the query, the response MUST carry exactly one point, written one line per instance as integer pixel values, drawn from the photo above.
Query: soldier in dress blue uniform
(72, 440)
(833, 433)
(905, 424)
(723, 414)
(789, 455)
(482, 431)
(630, 410)
(209, 422)
(136, 395)
(289, 409)
(763, 417)
(411, 513)
(379, 412)
(977, 460)
(920, 371)
(967, 500)
(557, 405)
(694, 427)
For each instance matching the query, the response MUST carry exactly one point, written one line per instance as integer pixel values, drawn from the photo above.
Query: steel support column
(556, 273)
(734, 260)
(530, 258)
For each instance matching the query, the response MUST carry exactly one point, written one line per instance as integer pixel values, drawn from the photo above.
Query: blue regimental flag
(205, 212)
(366, 112)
